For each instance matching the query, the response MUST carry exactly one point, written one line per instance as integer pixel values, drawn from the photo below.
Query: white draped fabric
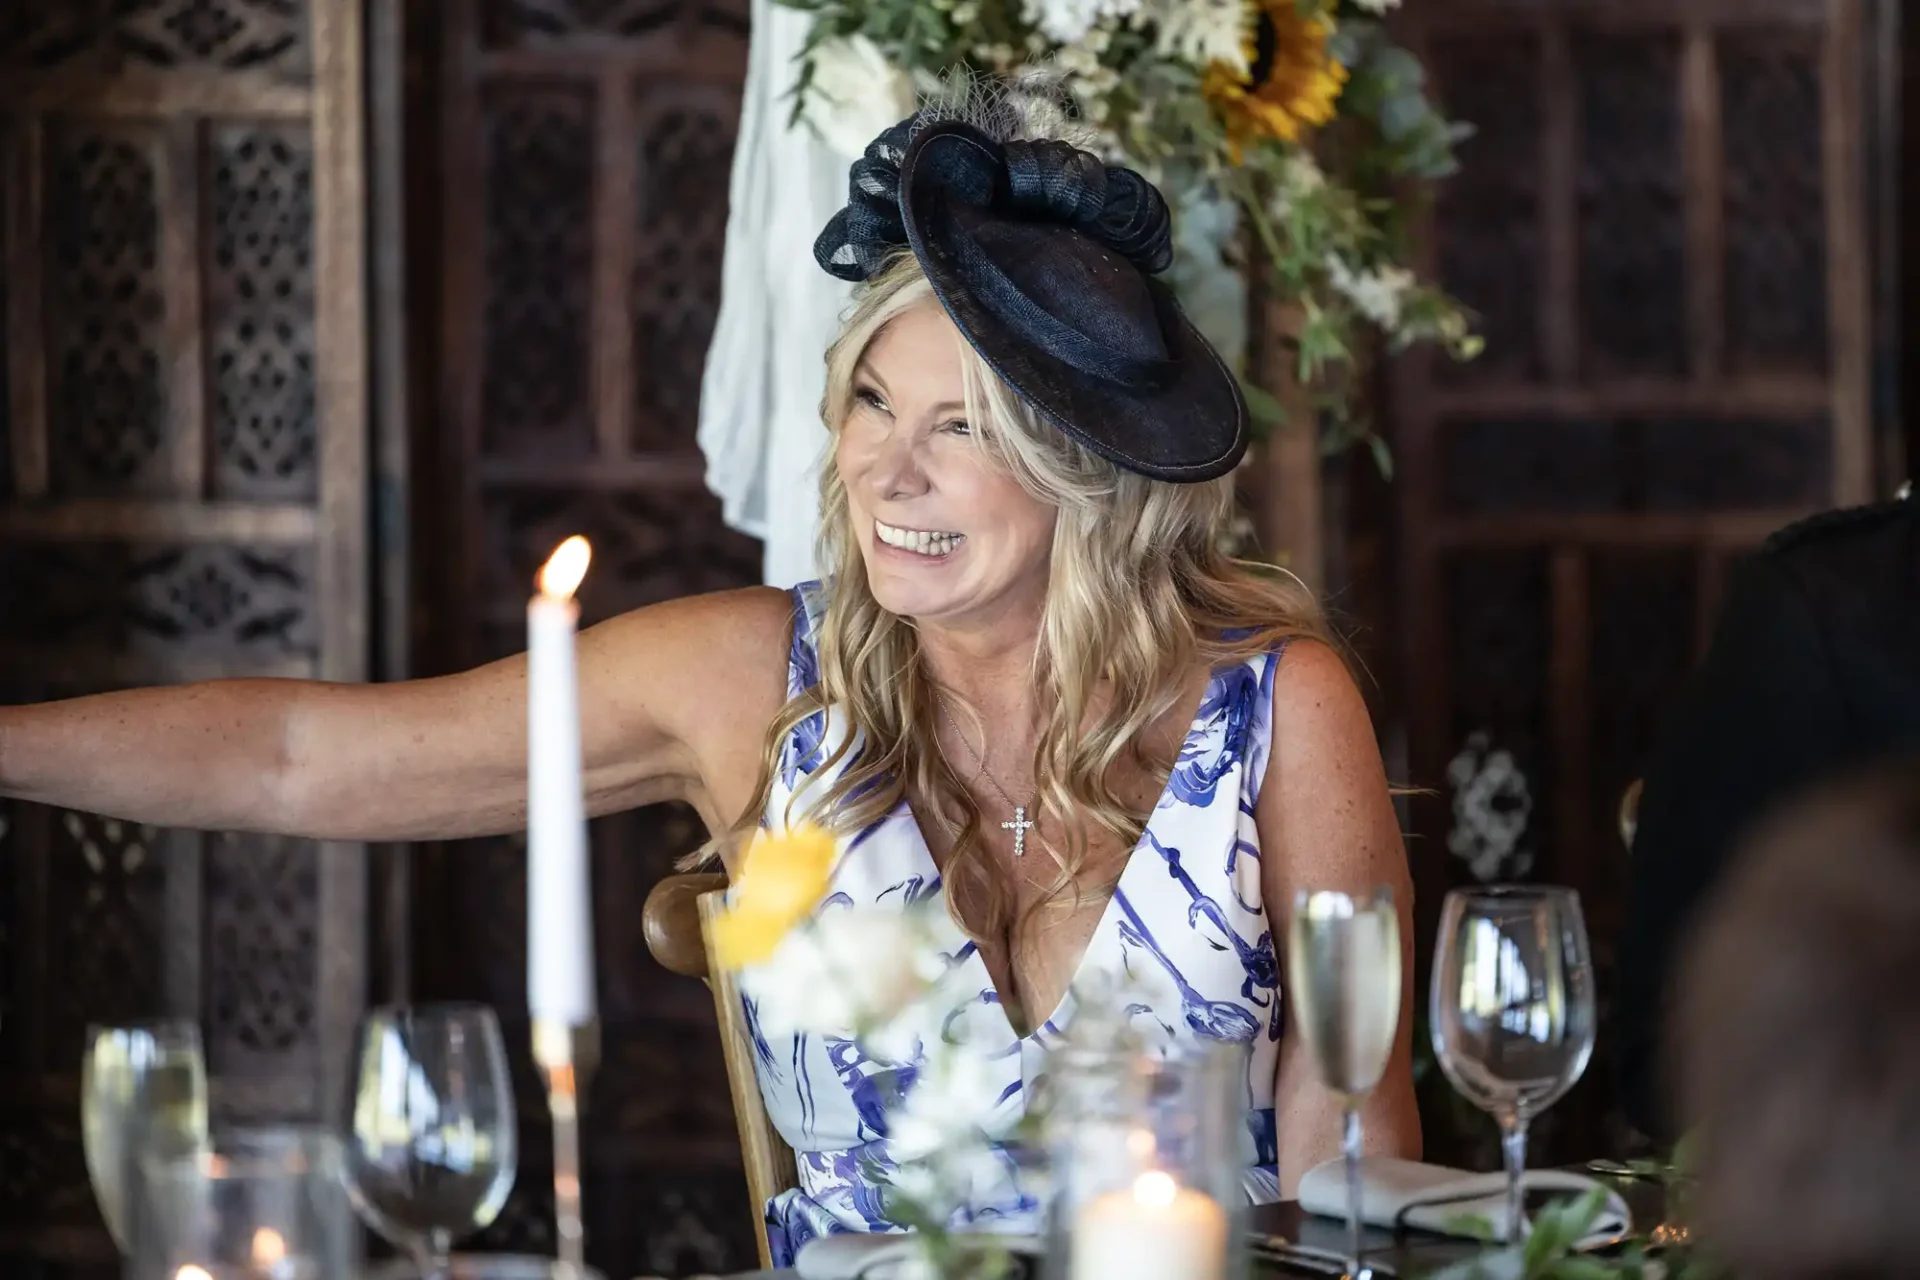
(760, 397)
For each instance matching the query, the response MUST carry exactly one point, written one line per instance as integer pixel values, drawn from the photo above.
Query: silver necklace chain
(1020, 825)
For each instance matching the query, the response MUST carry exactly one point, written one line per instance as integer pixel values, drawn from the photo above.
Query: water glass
(432, 1151)
(1343, 987)
(143, 1092)
(261, 1204)
(1512, 1009)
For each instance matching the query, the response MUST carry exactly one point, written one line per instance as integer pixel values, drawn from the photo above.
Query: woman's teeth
(918, 541)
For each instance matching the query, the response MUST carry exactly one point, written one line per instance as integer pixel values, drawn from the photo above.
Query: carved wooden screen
(585, 151)
(181, 473)
(1662, 223)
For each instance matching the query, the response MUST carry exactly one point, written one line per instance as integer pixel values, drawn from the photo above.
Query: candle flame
(269, 1247)
(1155, 1189)
(191, 1272)
(560, 576)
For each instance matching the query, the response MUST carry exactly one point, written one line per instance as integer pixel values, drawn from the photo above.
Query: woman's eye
(960, 428)
(871, 399)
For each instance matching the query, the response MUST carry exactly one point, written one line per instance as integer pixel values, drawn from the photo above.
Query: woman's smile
(921, 544)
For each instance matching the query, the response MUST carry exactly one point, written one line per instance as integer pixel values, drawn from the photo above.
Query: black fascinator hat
(1045, 258)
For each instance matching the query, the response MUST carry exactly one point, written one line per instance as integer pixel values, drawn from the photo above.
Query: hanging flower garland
(1297, 120)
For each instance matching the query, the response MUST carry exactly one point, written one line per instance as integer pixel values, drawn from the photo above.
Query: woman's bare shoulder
(1323, 734)
(1314, 676)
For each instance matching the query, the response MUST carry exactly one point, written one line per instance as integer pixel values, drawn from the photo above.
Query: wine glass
(1343, 982)
(1512, 1009)
(431, 1156)
(143, 1093)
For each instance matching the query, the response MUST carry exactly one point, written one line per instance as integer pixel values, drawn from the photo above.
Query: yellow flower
(1292, 81)
(781, 881)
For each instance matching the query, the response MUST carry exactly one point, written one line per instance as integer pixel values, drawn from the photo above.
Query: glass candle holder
(262, 1204)
(1147, 1151)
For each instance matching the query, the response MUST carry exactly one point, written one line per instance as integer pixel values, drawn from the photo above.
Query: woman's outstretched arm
(669, 695)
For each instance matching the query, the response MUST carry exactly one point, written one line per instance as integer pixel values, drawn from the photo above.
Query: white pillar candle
(559, 921)
(1154, 1230)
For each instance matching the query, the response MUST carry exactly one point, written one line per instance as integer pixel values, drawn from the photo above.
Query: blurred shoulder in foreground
(1797, 1037)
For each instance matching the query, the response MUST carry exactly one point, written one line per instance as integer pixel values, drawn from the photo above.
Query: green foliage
(1552, 1249)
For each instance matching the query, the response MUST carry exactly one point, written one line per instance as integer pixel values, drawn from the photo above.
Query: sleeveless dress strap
(1255, 739)
(806, 747)
(803, 656)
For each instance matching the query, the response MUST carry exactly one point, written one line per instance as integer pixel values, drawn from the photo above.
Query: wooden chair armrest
(670, 922)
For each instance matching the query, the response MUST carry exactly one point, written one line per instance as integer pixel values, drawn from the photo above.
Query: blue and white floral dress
(1186, 925)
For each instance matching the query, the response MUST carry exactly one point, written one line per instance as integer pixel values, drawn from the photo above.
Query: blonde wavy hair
(1140, 590)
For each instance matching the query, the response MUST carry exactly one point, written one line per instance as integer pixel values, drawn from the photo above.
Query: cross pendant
(1019, 826)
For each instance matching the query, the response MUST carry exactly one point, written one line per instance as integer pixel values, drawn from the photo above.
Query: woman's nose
(897, 471)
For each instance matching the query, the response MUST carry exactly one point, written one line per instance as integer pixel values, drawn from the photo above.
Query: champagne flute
(143, 1093)
(432, 1152)
(1343, 982)
(1512, 1009)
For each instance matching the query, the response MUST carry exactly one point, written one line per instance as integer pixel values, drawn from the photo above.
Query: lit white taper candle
(559, 919)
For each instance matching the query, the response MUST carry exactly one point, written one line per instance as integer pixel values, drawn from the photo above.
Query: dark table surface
(1314, 1245)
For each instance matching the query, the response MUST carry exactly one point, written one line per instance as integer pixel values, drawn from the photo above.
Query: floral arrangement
(815, 971)
(1298, 121)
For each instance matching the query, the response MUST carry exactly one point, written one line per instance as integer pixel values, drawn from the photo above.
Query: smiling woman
(1033, 687)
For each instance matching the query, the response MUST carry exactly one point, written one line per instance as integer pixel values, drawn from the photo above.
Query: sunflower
(1291, 83)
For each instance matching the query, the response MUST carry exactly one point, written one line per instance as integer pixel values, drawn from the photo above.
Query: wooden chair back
(675, 922)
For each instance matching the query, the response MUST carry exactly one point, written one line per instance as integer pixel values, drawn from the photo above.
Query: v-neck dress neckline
(1115, 908)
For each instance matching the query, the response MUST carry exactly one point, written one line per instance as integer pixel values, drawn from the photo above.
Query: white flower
(1377, 6)
(1077, 59)
(915, 1182)
(1200, 31)
(855, 95)
(1300, 177)
(951, 1102)
(1302, 173)
(1378, 294)
(845, 971)
(1068, 21)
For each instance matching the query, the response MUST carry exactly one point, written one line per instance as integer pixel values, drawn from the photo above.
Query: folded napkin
(859, 1256)
(1430, 1197)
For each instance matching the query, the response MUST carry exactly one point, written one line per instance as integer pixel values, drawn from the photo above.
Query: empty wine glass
(431, 1156)
(1512, 1009)
(143, 1092)
(1343, 984)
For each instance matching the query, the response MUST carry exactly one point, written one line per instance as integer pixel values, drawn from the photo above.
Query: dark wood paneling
(1662, 220)
(581, 183)
(185, 496)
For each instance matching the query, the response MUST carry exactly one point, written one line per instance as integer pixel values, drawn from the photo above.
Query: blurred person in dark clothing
(1814, 669)
(1797, 1040)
